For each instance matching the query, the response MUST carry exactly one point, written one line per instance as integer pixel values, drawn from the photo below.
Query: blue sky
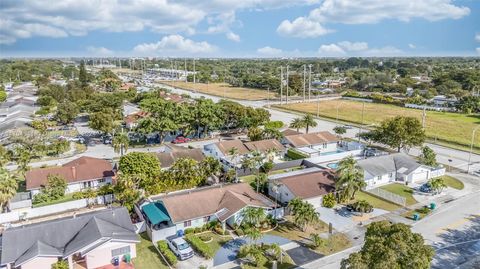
(240, 28)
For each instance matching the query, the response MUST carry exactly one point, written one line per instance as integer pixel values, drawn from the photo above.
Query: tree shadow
(459, 245)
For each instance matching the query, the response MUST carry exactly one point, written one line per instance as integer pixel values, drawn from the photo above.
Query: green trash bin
(416, 216)
(127, 258)
(432, 206)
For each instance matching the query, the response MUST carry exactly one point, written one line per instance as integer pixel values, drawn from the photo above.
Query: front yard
(453, 182)
(402, 190)
(147, 255)
(376, 202)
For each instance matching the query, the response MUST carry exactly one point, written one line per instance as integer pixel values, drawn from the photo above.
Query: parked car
(180, 248)
(426, 188)
(180, 140)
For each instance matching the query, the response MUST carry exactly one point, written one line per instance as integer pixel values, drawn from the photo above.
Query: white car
(180, 248)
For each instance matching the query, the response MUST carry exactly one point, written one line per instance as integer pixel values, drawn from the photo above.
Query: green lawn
(402, 190)
(217, 241)
(66, 198)
(290, 231)
(421, 212)
(452, 128)
(335, 243)
(147, 255)
(376, 202)
(287, 264)
(453, 182)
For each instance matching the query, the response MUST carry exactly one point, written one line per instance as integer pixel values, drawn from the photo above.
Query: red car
(180, 140)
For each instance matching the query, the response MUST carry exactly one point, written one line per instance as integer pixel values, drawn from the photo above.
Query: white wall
(79, 186)
(40, 263)
(284, 194)
(375, 181)
(102, 255)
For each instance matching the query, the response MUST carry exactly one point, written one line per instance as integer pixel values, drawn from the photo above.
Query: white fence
(29, 213)
(334, 157)
(433, 108)
(386, 195)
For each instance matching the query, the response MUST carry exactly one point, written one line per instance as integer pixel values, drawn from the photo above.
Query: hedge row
(166, 252)
(295, 155)
(199, 246)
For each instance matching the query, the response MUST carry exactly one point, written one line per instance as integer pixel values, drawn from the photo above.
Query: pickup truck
(180, 248)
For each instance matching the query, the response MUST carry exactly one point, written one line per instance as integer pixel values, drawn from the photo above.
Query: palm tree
(308, 121)
(253, 216)
(303, 213)
(297, 123)
(437, 185)
(350, 178)
(23, 159)
(8, 187)
(233, 152)
(120, 143)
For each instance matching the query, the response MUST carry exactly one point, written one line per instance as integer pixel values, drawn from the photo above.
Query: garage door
(420, 176)
(316, 202)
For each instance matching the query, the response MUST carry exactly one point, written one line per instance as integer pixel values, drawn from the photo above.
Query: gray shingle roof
(381, 165)
(67, 235)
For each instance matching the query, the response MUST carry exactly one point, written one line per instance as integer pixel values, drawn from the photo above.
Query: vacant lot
(222, 90)
(447, 127)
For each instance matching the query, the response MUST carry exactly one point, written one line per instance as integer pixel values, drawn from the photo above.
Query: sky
(239, 28)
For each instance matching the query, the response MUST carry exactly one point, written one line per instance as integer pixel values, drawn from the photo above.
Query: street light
(471, 149)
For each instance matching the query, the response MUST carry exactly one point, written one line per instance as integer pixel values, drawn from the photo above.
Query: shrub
(423, 210)
(166, 252)
(219, 230)
(41, 198)
(189, 231)
(199, 246)
(239, 232)
(205, 237)
(198, 230)
(328, 200)
(317, 241)
(78, 195)
(295, 155)
(274, 124)
(362, 206)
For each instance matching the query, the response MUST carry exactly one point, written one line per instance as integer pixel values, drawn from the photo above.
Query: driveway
(194, 262)
(302, 255)
(343, 220)
(228, 252)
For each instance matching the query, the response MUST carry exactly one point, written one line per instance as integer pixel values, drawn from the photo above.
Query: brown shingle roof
(302, 140)
(168, 158)
(310, 185)
(226, 146)
(224, 200)
(288, 132)
(78, 170)
(264, 145)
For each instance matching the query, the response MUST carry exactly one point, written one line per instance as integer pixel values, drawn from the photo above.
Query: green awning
(156, 213)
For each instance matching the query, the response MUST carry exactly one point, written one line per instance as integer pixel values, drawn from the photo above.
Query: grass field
(376, 202)
(147, 255)
(453, 182)
(222, 90)
(401, 190)
(452, 128)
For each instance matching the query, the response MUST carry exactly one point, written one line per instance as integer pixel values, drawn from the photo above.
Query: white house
(173, 213)
(397, 167)
(309, 184)
(313, 144)
(81, 173)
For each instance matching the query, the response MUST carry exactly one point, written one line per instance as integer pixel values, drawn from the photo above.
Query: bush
(362, 206)
(295, 155)
(189, 231)
(199, 246)
(166, 252)
(219, 230)
(328, 200)
(198, 230)
(423, 210)
(41, 198)
(205, 237)
(239, 232)
(274, 124)
(78, 195)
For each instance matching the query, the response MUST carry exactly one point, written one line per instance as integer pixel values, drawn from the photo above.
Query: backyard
(452, 128)
(147, 255)
(402, 190)
(222, 90)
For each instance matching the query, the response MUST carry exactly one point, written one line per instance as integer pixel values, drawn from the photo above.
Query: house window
(120, 251)
(87, 184)
(379, 177)
(206, 219)
(101, 180)
(187, 223)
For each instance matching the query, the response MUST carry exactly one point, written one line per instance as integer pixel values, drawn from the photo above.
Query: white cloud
(302, 27)
(412, 46)
(374, 11)
(331, 49)
(232, 36)
(383, 51)
(28, 18)
(174, 44)
(269, 51)
(99, 51)
(353, 46)
(477, 37)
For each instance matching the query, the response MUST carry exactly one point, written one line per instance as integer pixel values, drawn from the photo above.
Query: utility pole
(471, 149)
(194, 71)
(304, 80)
(309, 80)
(286, 96)
(281, 84)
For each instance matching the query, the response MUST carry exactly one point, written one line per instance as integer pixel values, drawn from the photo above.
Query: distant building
(82, 173)
(313, 144)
